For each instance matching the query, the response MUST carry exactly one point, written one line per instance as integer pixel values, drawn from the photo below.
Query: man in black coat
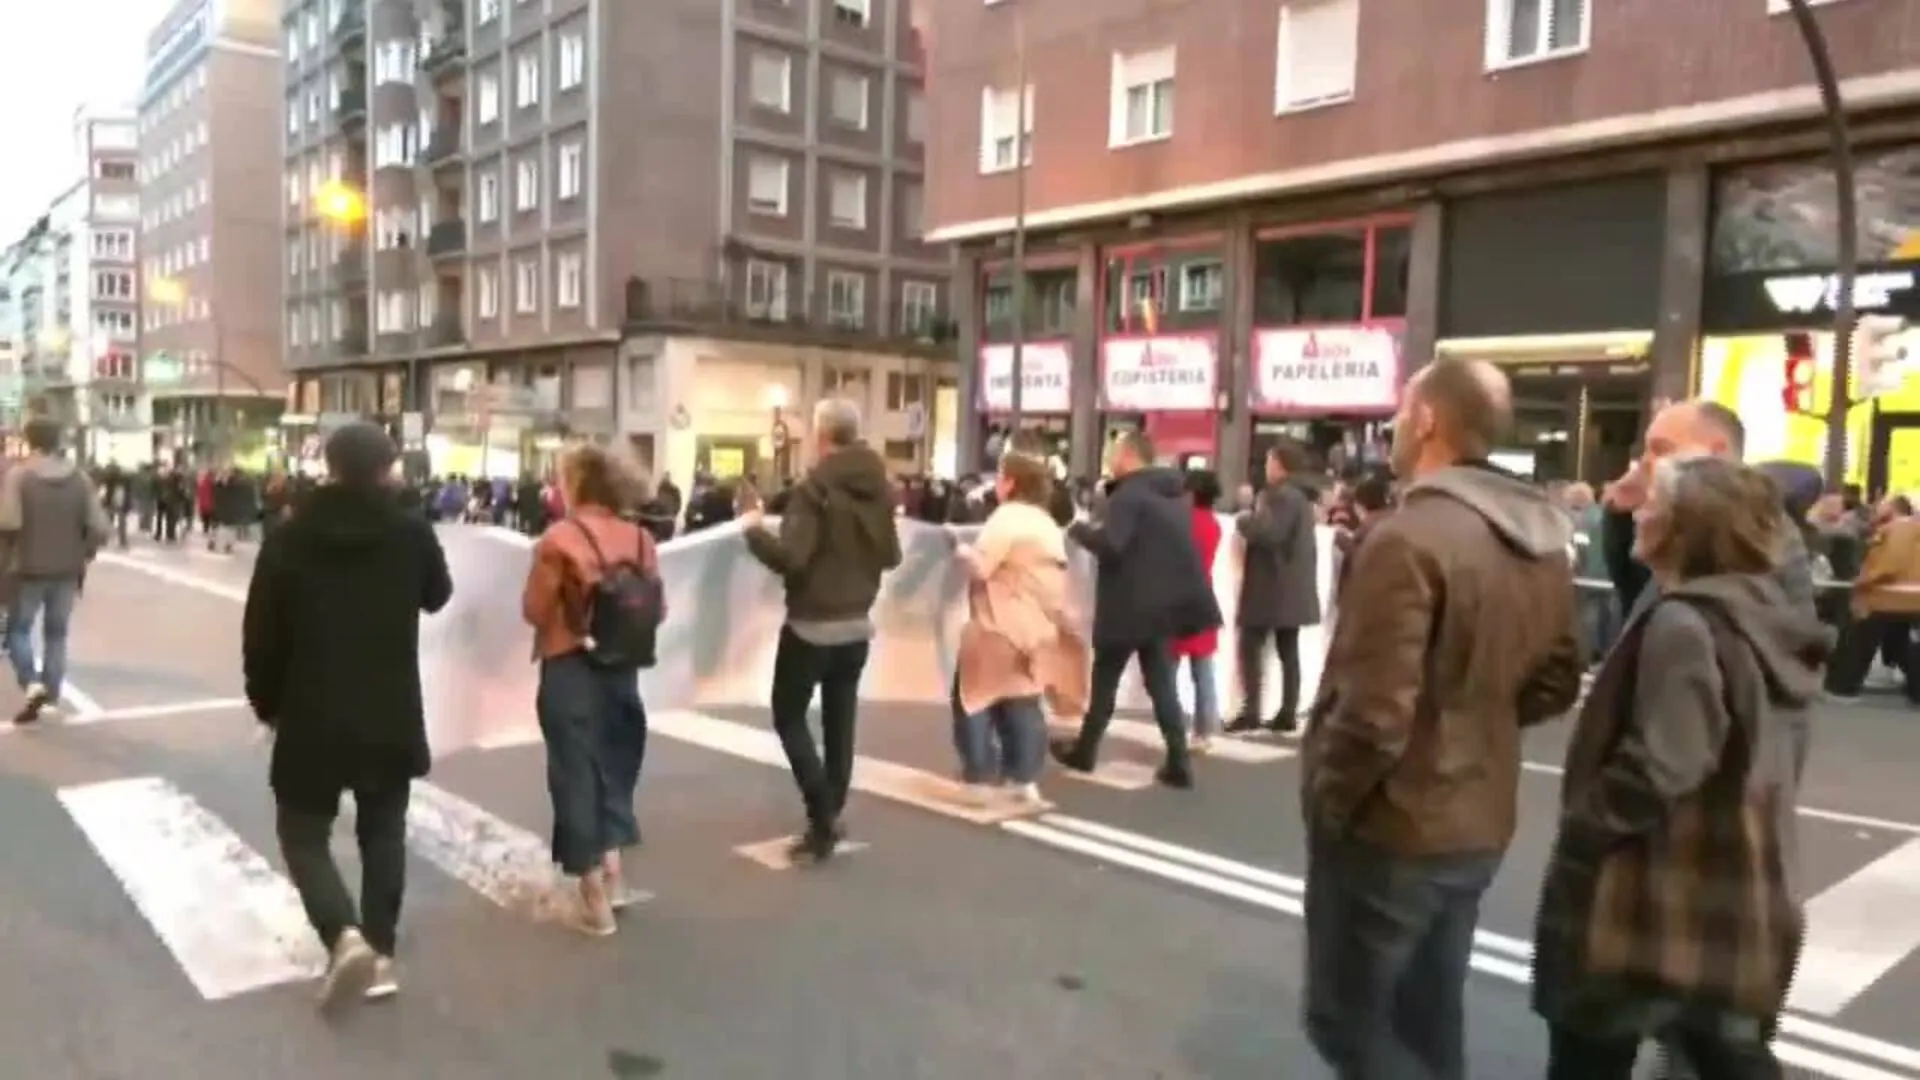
(1149, 590)
(1279, 586)
(331, 655)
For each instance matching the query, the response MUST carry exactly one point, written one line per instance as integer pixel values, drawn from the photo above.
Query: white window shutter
(988, 132)
(1499, 18)
(1318, 52)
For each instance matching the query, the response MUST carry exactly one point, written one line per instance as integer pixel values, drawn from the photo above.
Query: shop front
(496, 420)
(1770, 294)
(1161, 322)
(1561, 287)
(1043, 319)
(1329, 322)
(1046, 391)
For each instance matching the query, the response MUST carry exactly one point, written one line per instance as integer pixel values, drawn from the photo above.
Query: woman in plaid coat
(1671, 908)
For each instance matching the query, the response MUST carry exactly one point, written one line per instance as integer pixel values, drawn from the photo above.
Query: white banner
(1169, 373)
(1326, 370)
(1046, 377)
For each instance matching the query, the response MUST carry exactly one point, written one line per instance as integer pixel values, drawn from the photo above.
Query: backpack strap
(598, 556)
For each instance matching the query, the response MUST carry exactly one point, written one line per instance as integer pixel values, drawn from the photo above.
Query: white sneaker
(384, 984)
(1026, 794)
(1201, 744)
(350, 973)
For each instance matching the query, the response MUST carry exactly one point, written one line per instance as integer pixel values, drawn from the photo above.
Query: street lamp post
(1846, 240)
(1016, 395)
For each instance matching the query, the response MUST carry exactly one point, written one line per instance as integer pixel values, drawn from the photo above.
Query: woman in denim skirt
(1021, 642)
(591, 716)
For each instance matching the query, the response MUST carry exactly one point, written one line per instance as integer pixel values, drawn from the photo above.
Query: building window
(487, 198)
(1201, 283)
(846, 299)
(487, 293)
(569, 276)
(526, 82)
(573, 61)
(852, 12)
(850, 100)
(488, 99)
(767, 184)
(919, 306)
(113, 284)
(1322, 277)
(487, 11)
(1001, 142)
(1318, 55)
(115, 170)
(569, 169)
(766, 290)
(847, 201)
(770, 79)
(113, 244)
(526, 286)
(1142, 107)
(1522, 30)
(526, 185)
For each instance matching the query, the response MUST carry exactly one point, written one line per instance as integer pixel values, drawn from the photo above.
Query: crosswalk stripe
(496, 858)
(1857, 931)
(232, 922)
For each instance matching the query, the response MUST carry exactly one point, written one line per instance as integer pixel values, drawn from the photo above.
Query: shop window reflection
(1311, 278)
(1392, 257)
(1050, 301)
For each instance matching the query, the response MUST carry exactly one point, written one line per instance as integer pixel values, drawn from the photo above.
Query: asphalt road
(1128, 934)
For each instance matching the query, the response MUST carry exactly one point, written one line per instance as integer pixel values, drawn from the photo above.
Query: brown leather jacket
(1889, 581)
(554, 599)
(1455, 629)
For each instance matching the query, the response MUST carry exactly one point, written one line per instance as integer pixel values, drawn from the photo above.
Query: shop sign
(1046, 377)
(1164, 373)
(1324, 370)
(1796, 299)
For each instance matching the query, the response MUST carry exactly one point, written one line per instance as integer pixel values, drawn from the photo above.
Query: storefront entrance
(1893, 456)
(1580, 424)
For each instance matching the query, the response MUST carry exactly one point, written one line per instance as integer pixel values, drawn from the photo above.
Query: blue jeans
(1389, 939)
(1006, 742)
(595, 729)
(1206, 696)
(49, 603)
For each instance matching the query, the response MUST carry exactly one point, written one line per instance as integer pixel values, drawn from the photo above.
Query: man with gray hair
(837, 537)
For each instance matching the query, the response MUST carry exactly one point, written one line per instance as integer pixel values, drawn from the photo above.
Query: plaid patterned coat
(1673, 881)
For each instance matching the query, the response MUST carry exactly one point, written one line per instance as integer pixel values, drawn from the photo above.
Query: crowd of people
(1671, 908)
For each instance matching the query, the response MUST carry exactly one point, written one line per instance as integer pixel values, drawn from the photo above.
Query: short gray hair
(1670, 472)
(837, 420)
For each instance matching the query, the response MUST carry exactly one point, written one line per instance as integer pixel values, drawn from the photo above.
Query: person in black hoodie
(331, 657)
(1150, 590)
(837, 537)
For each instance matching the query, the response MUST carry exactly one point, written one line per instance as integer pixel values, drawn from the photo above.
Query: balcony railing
(447, 238)
(443, 146)
(352, 342)
(445, 333)
(352, 104)
(447, 54)
(350, 267)
(708, 304)
(351, 27)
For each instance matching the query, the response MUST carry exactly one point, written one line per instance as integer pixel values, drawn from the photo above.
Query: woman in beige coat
(1021, 644)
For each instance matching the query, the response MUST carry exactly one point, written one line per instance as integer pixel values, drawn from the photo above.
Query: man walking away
(1456, 629)
(1279, 588)
(837, 537)
(1150, 590)
(53, 524)
(331, 654)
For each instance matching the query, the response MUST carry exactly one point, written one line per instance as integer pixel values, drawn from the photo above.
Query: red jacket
(1206, 537)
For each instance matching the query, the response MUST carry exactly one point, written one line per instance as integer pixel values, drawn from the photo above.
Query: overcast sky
(60, 55)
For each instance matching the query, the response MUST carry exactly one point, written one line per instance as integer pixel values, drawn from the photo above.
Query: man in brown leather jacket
(1455, 629)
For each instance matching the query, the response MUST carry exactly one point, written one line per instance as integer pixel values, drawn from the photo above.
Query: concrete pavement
(1131, 932)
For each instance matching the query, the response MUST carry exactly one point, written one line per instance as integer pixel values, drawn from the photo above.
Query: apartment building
(210, 222)
(574, 227)
(1246, 218)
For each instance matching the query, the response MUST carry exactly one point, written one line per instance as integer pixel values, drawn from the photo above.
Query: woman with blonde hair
(1671, 908)
(592, 588)
(1021, 644)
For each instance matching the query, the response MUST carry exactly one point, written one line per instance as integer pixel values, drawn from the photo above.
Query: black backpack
(624, 610)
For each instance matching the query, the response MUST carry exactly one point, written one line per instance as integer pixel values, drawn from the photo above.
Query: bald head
(1471, 400)
(1696, 427)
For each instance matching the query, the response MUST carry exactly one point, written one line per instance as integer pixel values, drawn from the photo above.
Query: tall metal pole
(1016, 403)
(1846, 243)
(219, 387)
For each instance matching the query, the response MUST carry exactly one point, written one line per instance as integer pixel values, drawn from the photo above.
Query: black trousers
(1157, 674)
(1727, 1050)
(800, 667)
(1862, 639)
(380, 825)
(1251, 642)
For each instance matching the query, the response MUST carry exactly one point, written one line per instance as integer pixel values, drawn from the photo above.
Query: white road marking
(235, 593)
(1117, 775)
(232, 922)
(171, 708)
(1837, 817)
(1142, 733)
(1858, 930)
(84, 707)
(1506, 958)
(777, 853)
(496, 858)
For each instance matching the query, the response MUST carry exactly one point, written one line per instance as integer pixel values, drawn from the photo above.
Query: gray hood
(1519, 512)
(1790, 643)
(47, 467)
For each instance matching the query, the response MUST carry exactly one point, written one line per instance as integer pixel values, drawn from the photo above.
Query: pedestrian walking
(837, 537)
(53, 524)
(331, 657)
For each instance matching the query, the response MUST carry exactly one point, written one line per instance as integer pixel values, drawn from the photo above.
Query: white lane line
(1502, 957)
(1142, 733)
(777, 853)
(85, 708)
(496, 858)
(232, 922)
(1858, 930)
(235, 593)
